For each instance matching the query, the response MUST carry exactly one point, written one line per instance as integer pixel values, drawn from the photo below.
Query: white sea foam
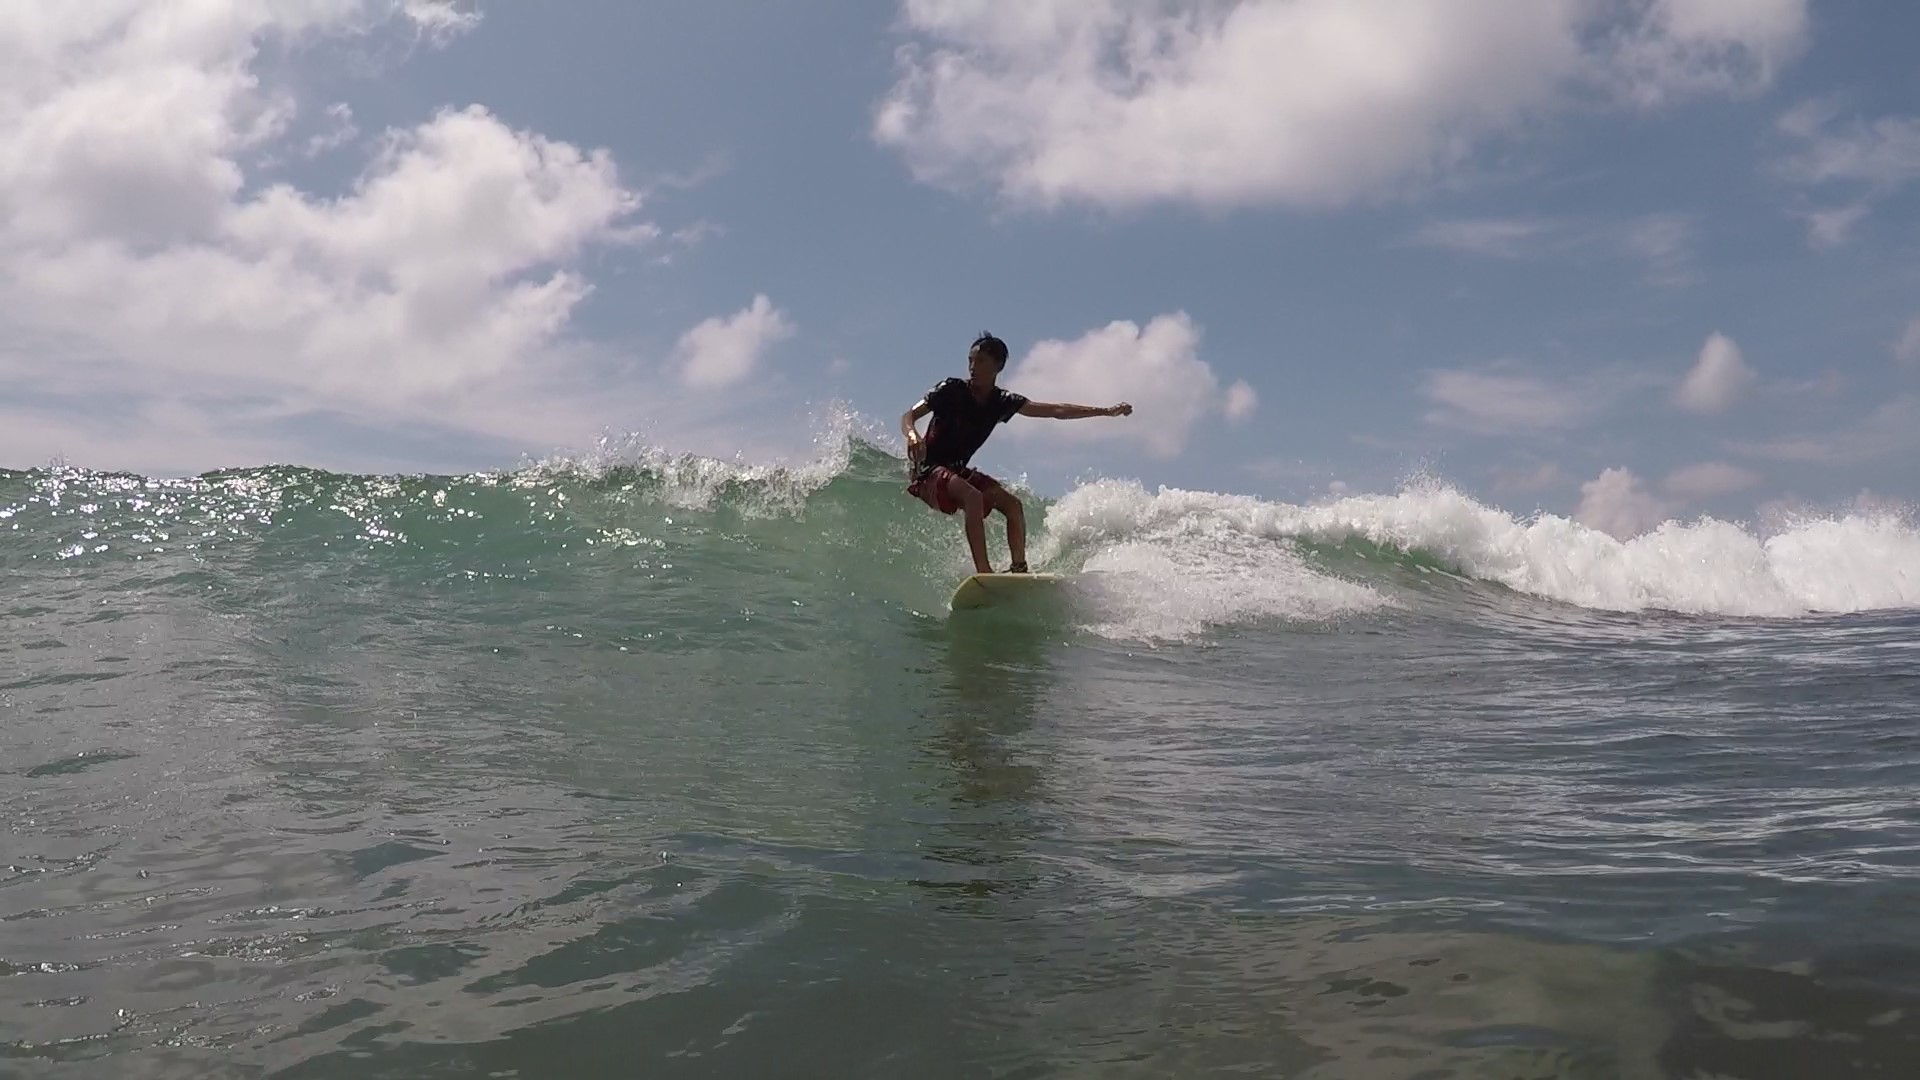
(1168, 566)
(1219, 557)
(694, 482)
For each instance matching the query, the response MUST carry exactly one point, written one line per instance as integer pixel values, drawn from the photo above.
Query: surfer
(964, 414)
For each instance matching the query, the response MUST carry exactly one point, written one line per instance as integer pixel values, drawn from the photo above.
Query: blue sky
(1626, 259)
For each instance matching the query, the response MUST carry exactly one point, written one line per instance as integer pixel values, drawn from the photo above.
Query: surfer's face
(980, 366)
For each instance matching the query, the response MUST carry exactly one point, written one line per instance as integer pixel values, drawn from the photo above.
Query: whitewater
(1190, 560)
(639, 762)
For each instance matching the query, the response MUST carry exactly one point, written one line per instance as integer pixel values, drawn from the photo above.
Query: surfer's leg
(1009, 506)
(948, 491)
(974, 506)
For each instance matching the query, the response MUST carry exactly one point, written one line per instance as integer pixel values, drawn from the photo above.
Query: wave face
(1166, 564)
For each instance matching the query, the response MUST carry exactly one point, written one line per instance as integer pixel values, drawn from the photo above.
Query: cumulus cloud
(1718, 378)
(1310, 102)
(1241, 401)
(1157, 368)
(435, 289)
(725, 351)
(1618, 504)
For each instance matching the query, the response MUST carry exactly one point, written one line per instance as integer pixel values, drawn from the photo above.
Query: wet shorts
(931, 487)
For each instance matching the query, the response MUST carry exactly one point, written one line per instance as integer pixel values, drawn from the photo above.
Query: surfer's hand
(1122, 409)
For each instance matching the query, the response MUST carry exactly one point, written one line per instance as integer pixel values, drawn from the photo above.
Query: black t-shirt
(961, 422)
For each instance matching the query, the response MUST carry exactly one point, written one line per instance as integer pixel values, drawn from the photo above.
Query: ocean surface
(673, 767)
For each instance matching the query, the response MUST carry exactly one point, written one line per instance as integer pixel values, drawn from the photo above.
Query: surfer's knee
(969, 497)
(999, 498)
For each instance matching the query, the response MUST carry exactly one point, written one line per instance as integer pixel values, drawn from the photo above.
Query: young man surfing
(964, 414)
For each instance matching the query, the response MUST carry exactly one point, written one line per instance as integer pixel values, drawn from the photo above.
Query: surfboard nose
(985, 590)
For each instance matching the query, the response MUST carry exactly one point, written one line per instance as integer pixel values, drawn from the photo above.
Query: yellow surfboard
(986, 590)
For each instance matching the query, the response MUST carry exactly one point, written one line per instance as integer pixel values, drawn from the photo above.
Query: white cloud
(1689, 47)
(1869, 160)
(1616, 503)
(1893, 428)
(1718, 378)
(1907, 349)
(1490, 401)
(170, 437)
(439, 18)
(435, 289)
(1241, 402)
(1619, 503)
(341, 130)
(1833, 226)
(1229, 102)
(1663, 243)
(1157, 369)
(724, 351)
(1881, 154)
(1708, 479)
(1507, 398)
(425, 281)
(1764, 27)
(1500, 238)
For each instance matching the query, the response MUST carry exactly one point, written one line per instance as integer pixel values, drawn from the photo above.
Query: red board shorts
(931, 487)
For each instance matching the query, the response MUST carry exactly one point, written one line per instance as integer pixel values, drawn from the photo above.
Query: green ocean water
(663, 766)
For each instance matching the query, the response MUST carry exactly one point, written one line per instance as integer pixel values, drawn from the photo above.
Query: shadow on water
(997, 672)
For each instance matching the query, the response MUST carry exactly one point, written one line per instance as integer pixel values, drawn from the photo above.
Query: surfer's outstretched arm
(1055, 411)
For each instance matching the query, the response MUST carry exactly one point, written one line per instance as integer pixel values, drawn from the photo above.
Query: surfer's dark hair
(991, 346)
